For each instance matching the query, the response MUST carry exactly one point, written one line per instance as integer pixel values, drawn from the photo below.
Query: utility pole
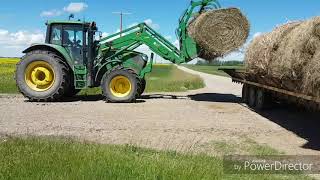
(121, 19)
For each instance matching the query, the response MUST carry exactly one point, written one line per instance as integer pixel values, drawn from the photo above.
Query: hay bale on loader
(219, 32)
(290, 53)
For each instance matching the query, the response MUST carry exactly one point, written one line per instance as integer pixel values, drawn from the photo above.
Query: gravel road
(172, 121)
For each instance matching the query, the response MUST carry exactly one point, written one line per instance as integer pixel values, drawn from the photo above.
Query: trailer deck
(265, 86)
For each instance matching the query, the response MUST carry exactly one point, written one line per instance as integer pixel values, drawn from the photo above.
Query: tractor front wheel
(143, 84)
(121, 85)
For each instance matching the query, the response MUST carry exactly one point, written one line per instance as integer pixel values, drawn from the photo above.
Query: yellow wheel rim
(120, 86)
(39, 76)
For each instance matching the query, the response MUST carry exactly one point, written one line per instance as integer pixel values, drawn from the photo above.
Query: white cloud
(153, 25)
(105, 34)
(75, 7)
(257, 34)
(176, 43)
(71, 8)
(168, 37)
(149, 22)
(51, 13)
(146, 50)
(12, 43)
(234, 56)
(158, 59)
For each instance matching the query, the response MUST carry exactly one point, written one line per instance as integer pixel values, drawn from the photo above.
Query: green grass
(168, 78)
(212, 69)
(57, 158)
(246, 146)
(7, 69)
(164, 78)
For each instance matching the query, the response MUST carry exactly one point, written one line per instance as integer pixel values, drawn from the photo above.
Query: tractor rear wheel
(42, 76)
(121, 85)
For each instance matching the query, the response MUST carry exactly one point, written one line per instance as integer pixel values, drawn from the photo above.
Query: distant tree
(219, 63)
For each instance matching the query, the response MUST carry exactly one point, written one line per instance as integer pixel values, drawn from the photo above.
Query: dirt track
(182, 121)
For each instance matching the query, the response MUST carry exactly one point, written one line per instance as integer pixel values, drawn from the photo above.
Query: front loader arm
(142, 34)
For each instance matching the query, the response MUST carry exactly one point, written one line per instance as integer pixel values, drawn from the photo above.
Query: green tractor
(71, 59)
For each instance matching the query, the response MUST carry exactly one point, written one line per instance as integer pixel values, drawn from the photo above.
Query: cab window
(55, 37)
(72, 36)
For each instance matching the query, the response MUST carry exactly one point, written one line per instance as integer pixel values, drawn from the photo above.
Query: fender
(54, 48)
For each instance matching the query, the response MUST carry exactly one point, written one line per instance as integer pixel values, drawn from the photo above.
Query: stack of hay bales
(290, 53)
(219, 32)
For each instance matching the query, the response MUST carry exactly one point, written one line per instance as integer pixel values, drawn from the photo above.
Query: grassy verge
(211, 69)
(164, 78)
(55, 158)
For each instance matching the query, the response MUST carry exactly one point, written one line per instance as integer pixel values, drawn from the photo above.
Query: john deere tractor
(71, 59)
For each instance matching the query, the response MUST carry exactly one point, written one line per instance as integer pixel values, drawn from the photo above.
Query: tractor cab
(76, 37)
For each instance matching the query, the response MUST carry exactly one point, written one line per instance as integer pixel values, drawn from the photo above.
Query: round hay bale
(317, 30)
(311, 76)
(260, 53)
(255, 56)
(296, 50)
(219, 32)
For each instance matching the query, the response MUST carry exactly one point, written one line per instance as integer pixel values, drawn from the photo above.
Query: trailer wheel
(260, 99)
(245, 93)
(252, 97)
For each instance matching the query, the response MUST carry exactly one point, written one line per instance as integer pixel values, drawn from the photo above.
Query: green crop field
(164, 78)
(212, 69)
(168, 78)
(7, 69)
(57, 158)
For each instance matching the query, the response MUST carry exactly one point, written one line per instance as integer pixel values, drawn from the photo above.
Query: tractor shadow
(301, 122)
(84, 98)
(203, 97)
(77, 98)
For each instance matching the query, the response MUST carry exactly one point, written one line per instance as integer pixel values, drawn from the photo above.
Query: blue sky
(22, 22)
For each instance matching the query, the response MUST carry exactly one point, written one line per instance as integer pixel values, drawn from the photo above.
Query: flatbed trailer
(260, 92)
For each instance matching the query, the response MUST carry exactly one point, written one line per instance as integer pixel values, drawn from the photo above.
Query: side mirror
(100, 35)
